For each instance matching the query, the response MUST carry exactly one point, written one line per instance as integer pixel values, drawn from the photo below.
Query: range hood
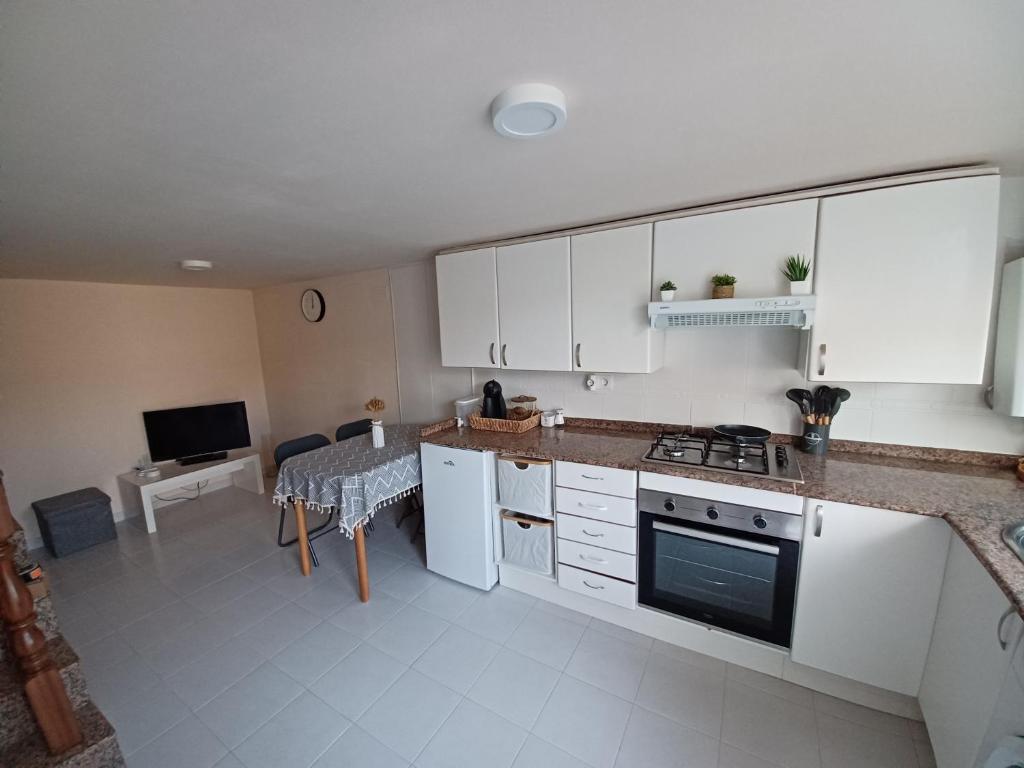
(791, 311)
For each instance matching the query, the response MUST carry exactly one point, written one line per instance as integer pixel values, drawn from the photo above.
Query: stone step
(98, 750)
(21, 558)
(16, 719)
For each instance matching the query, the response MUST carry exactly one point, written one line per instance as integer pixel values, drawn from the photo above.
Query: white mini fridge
(458, 504)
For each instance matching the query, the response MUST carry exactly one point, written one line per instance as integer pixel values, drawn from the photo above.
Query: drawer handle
(819, 520)
(710, 581)
(598, 507)
(591, 477)
(592, 559)
(588, 584)
(595, 535)
(999, 627)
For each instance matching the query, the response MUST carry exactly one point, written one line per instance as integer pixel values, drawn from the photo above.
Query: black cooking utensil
(802, 398)
(743, 434)
(821, 402)
(837, 397)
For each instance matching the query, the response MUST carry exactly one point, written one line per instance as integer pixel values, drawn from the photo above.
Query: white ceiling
(286, 140)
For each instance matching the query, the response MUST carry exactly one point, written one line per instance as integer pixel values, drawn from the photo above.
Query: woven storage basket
(504, 425)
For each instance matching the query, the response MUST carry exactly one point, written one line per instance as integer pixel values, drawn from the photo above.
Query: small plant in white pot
(797, 271)
(668, 290)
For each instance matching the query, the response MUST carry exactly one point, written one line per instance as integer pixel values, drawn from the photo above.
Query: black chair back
(290, 448)
(353, 429)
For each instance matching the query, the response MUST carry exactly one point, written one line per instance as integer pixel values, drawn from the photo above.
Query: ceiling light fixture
(528, 110)
(196, 265)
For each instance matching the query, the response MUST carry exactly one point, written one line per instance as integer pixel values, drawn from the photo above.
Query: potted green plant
(724, 286)
(668, 290)
(798, 271)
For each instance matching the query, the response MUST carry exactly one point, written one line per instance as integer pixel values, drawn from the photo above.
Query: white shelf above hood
(786, 311)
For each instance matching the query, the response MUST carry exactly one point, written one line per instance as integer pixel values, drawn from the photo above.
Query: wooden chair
(284, 451)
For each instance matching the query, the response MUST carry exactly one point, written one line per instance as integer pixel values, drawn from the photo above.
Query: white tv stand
(243, 466)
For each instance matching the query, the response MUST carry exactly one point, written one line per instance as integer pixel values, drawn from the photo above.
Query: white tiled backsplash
(723, 375)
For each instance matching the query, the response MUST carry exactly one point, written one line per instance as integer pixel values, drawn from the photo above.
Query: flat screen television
(199, 433)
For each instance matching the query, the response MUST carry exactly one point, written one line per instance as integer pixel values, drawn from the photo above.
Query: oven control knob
(760, 522)
(712, 513)
(670, 505)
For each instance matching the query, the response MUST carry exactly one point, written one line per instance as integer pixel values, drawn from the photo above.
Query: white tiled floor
(205, 646)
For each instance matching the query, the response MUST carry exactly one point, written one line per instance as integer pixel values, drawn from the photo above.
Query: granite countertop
(977, 494)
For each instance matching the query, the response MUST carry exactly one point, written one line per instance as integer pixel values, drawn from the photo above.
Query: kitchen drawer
(617, 482)
(598, 506)
(597, 533)
(604, 561)
(596, 586)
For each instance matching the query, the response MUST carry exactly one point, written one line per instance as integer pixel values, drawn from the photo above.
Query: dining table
(353, 479)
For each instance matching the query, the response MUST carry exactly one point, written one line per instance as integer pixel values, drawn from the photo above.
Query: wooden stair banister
(44, 687)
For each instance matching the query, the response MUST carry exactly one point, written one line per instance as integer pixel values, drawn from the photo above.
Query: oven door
(741, 582)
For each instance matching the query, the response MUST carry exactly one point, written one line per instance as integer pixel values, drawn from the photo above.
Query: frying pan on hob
(743, 434)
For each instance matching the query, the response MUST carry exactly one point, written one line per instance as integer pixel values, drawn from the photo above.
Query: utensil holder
(815, 439)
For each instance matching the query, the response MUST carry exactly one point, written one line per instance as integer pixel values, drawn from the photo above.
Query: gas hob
(775, 461)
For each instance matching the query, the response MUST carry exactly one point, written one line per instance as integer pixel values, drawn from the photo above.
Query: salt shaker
(559, 417)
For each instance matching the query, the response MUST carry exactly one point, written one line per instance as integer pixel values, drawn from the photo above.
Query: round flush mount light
(528, 110)
(196, 265)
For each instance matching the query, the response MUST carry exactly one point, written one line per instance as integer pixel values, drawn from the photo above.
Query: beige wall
(319, 375)
(427, 389)
(80, 362)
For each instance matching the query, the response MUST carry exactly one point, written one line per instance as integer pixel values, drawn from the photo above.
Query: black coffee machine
(494, 404)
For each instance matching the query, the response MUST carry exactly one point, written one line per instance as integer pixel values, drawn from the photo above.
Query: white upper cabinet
(750, 243)
(904, 278)
(868, 591)
(467, 306)
(967, 663)
(534, 298)
(611, 285)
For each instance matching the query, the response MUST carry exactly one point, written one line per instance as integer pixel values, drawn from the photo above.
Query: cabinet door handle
(588, 584)
(593, 535)
(999, 627)
(578, 363)
(592, 559)
(821, 360)
(591, 477)
(598, 507)
(819, 519)
(504, 360)
(492, 353)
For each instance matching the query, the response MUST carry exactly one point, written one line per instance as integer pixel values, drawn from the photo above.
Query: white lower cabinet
(596, 532)
(868, 591)
(599, 587)
(967, 664)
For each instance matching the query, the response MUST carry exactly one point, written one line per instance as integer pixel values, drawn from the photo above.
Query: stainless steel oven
(719, 563)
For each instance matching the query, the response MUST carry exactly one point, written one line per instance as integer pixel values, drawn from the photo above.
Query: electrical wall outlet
(597, 382)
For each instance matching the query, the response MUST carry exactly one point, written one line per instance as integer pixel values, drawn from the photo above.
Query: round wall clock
(313, 306)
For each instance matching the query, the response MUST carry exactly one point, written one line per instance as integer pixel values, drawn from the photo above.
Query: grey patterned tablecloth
(352, 476)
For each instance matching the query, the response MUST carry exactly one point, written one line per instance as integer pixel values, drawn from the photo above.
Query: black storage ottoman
(75, 520)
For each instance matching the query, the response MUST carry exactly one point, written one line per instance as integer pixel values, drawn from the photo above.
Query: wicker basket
(504, 425)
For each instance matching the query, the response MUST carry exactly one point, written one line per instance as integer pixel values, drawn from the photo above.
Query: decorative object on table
(668, 290)
(375, 406)
(798, 271)
(817, 410)
(74, 521)
(723, 286)
(494, 403)
(313, 306)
